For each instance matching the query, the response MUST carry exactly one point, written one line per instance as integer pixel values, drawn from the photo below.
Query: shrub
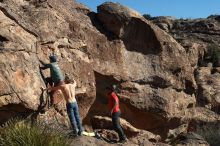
(147, 16)
(211, 133)
(22, 133)
(214, 54)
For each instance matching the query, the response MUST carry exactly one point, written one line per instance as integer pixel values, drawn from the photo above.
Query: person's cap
(114, 87)
(53, 58)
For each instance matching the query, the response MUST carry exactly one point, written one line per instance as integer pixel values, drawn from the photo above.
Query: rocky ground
(166, 74)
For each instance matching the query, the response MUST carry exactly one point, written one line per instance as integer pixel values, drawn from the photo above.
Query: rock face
(200, 38)
(154, 72)
(27, 37)
(209, 86)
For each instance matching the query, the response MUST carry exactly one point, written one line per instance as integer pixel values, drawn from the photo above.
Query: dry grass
(22, 133)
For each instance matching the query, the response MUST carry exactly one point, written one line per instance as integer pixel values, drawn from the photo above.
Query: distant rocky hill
(200, 38)
(167, 77)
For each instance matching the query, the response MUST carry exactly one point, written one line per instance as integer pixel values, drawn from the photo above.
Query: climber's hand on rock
(42, 88)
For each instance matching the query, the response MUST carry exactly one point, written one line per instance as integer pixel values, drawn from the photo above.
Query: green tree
(214, 54)
(147, 16)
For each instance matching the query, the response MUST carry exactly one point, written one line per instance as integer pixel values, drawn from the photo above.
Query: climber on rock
(56, 77)
(115, 112)
(68, 90)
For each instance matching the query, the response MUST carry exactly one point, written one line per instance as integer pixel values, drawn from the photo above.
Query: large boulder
(155, 79)
(99, 122)
(151, 47)
(40, 28)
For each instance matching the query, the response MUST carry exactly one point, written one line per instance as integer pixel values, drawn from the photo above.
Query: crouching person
(115, 113)
(68, 90)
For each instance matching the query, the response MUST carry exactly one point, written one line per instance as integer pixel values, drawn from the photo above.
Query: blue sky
(176, 8)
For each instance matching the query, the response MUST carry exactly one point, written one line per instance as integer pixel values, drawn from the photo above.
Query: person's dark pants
(117, 126)
(73, 113)
(51, 93)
